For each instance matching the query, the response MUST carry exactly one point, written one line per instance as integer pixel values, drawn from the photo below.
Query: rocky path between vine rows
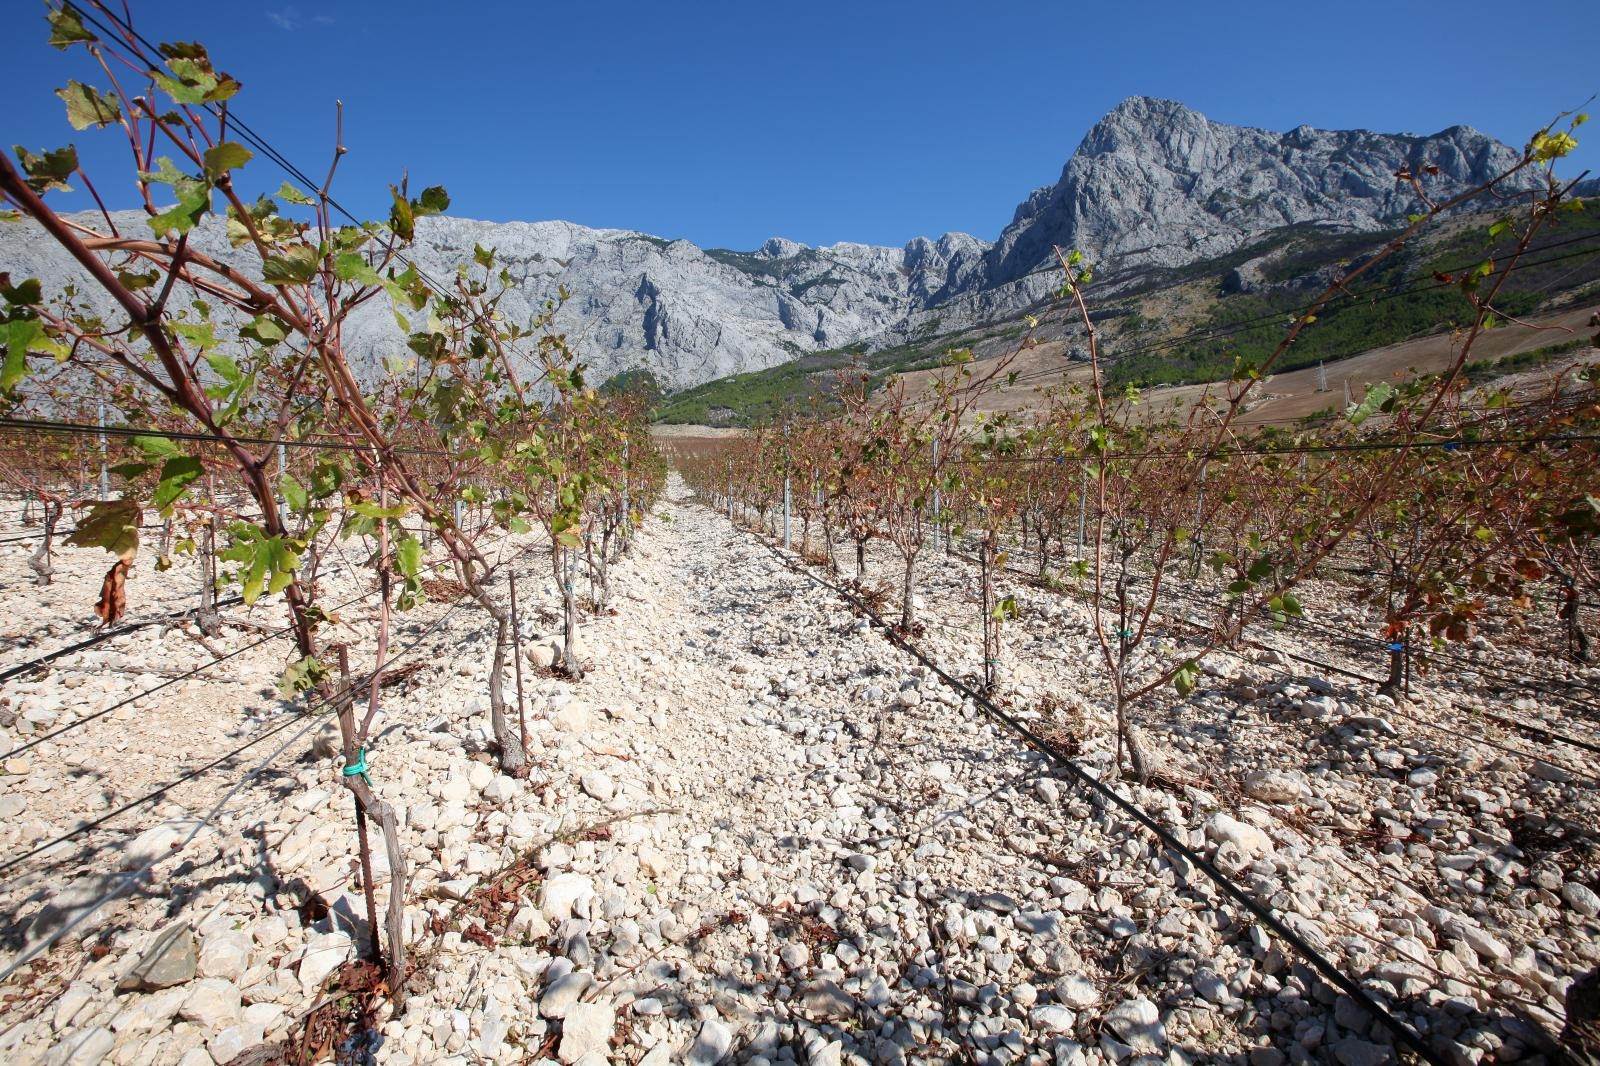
(757, 832)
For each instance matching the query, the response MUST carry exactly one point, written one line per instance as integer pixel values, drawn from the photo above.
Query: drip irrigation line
(275, 634)
(1536, 685)
(1364, 640)
(62, 533)
(1363, 875)
(103, 635)
(125, 701)
(1404, 1033)
(1536, 731)
(150, 797)
(92, 429)
(1539, 732)
(129, 880)
(1374, 643)
(1446, 443)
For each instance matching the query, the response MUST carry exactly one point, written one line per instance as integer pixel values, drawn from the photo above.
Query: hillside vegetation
(1191, 324)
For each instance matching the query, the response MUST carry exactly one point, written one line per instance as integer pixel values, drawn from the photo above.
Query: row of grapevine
(223, 406)
(1450, 504)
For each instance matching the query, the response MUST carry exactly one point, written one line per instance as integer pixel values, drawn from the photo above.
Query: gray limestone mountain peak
(781, 248)
(1156, 183)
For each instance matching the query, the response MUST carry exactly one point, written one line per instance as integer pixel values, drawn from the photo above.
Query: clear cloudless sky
(870, 120)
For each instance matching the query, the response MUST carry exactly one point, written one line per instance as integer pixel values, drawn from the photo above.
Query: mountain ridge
(1153, 184)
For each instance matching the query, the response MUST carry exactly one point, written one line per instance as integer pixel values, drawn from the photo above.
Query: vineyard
(432, 708)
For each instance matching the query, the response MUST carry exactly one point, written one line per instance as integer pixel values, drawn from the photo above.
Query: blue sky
(727, 123)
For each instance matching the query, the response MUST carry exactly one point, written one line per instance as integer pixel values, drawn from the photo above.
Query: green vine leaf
(224, 157)
(50, 170)
(112, 525)
(302, 675)
(87, 106)
(292, 266)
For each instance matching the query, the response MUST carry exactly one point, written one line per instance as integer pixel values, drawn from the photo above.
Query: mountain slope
(1166, 326)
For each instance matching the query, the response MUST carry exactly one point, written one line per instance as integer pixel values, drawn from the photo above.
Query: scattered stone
(1225, 829)
(171, 959)
(711, 1045)
(1581, 898)
(1275, 786)
(598, 784)
(826, 1001)
(225, 955)
(562, 994)
(1137, 1023)
(1354, 1052)
(586, 1030)
(1053, 1019)
(323, 954)
(573, 716)
(562, 893)
(212, 1004)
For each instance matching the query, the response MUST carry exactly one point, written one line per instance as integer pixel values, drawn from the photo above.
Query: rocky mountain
(686, 314)
(689, 314)
(1157, 183)
(1154, 184)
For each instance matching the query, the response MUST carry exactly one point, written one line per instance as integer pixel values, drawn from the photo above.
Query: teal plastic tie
(1125, 634)
(358, 768)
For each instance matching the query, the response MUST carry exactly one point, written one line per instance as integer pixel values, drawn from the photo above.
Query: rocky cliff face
(1157, 183)
(688, 315)
(1153, 184)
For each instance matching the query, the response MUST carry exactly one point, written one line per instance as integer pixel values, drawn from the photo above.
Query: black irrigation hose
(1536, 685)
(89, 428)
(1404, 1033)
(128, 880)
(150, 797)
(39, 663)
(1536, 730)
(275, 634)
(61, 533)
(137, 696)
(131, 879)
(107, 634)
